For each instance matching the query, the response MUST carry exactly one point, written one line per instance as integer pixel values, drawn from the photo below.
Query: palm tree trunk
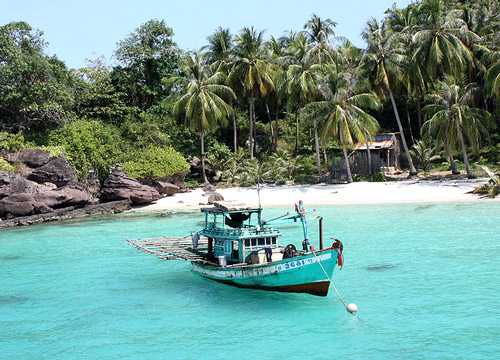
(203, 171)
(470, 174)
(235, 134)
(346, 158)
(419, 108)
(316, 145)
(276, 126)
(270, 125)
(369, 154)
(413, 171)
(408, 119)
(454, 169)
(297, 130)
(250, 128)
(347, 165)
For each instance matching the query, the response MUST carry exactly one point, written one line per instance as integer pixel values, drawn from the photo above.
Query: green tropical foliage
(155, 162)
(492, 187)
(203, 100)
(430, 72)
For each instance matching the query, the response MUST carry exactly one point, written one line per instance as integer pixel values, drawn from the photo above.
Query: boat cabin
(237, 235)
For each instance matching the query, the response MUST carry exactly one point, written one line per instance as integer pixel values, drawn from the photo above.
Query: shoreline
(358, 193)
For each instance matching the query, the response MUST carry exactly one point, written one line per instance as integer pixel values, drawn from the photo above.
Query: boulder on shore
(57, 171)
(215, 197)
(165, 188)
(11, 183)
(119, 186)
(41, 202)
(32, 158)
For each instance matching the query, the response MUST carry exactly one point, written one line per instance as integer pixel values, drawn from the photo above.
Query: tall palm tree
(403, 23)
(302, 77)
(275, 49)
(220, 56)
(252, 70)
(385, 59)
(454, 121)
(343, 111)
(319, 33)
(203, 100)
(493, 77)
(441, 39)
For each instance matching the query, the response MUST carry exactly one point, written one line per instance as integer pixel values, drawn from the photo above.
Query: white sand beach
(426, 191)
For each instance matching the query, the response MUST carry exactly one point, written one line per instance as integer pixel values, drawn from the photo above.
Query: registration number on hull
(295, 264)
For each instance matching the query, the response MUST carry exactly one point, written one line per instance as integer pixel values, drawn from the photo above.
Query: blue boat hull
(302, 274)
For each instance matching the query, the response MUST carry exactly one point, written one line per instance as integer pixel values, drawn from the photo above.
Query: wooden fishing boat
(237, 247)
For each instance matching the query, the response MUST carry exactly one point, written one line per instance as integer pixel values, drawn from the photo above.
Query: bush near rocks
(155, 162)
(5, 165)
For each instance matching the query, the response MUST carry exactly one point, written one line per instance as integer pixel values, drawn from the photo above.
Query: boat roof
(221, 207)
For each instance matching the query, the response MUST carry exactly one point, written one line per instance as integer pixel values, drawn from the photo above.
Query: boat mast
(303, 218)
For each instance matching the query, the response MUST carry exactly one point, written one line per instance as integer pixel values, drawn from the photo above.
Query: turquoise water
(425, 278)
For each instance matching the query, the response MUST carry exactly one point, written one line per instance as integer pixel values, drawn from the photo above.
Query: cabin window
(254, 242)
(268, 241)
(247, 242)
(274, 241)
(262, 242)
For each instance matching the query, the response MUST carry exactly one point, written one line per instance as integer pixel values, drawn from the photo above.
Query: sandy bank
(355, 193)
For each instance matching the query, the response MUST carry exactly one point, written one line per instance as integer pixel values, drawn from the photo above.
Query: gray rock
(73, 194)
(24, 204)
(165, 188)
(209, 188)
(31, 157)
(215, 197)
(21, 204)
(57, 171)
(11, 183)
(68, 213)
(119, 186)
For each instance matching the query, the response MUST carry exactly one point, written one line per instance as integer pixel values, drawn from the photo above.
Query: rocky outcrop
(69, 213)
(32, 158)
(119, 186)
(57, 171)
(50, 184)
(11, 183)
(21, 204)
(165, 188)
(41, 202)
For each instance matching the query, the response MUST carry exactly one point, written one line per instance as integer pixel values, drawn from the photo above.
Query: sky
(88, 29)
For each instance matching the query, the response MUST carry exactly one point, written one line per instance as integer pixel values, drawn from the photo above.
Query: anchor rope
(328, 277)
(331, 283)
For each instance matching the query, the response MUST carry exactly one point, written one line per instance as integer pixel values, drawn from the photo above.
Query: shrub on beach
(359, 178)
(379, 177)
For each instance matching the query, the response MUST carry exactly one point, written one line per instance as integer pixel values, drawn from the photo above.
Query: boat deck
(173, 248)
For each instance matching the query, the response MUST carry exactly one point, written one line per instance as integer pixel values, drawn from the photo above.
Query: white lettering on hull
(259, 270)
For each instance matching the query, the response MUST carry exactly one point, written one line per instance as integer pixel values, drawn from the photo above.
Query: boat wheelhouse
(237, 235)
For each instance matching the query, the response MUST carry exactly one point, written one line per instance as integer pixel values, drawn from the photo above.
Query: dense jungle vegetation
(274, 108)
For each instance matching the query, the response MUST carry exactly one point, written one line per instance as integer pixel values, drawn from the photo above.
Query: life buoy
(339, 247)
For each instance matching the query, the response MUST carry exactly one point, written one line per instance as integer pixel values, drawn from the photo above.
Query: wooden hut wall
(359, 164)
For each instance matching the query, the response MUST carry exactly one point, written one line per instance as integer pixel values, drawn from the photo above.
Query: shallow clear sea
(425, 277)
